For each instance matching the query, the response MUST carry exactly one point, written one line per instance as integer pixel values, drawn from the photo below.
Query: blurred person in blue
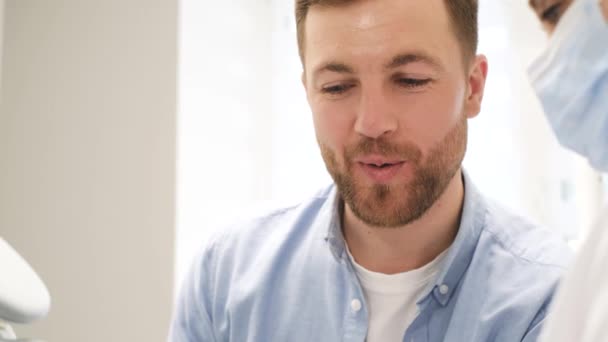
(571, 80)
(402, 247)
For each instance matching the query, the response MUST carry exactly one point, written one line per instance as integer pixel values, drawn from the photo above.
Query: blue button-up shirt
(287, 277)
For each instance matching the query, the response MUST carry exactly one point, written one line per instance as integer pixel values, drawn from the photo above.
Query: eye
(413, 82)
(552, 14)
(337, 89)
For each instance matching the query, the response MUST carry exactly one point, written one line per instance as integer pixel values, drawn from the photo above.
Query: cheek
(429, 116)
(333, 124)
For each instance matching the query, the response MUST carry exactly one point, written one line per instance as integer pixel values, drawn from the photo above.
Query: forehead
(372, 28)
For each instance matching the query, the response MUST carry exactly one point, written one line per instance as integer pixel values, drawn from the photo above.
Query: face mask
(571, 80)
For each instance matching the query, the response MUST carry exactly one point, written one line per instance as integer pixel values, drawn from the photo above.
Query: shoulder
(258, 235)
(516, 267)
(523, 240)
(521, 264)
(271, 220)
(245, 250)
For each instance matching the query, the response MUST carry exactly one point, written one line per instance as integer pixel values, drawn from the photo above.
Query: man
(403, 247)
(571, 79)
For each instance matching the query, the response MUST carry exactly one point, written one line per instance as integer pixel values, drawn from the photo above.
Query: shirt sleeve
(192, 320)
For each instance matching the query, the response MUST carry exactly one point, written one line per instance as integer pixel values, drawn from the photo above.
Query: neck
(402, 249)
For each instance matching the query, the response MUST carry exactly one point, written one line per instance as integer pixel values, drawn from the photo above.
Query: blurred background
(131, 130)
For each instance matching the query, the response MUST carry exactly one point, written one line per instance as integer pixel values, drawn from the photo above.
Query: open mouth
(382, 172)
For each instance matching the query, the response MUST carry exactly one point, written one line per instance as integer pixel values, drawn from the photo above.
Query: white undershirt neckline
(391, 299)
(399, 283)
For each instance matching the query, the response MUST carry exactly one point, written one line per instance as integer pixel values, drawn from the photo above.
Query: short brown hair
(463, 16)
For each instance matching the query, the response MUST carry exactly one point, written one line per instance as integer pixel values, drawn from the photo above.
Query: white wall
(225, 116)
(87, 140)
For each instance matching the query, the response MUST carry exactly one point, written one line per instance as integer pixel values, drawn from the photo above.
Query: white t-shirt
(391, 299)
(580, 310)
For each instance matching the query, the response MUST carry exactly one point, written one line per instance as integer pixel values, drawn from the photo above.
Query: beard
(396, 205)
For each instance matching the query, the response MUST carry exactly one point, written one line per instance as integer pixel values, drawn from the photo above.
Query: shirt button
(444, 289)
(355, 304)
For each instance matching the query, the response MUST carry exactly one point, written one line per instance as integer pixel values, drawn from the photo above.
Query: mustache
(383, 147)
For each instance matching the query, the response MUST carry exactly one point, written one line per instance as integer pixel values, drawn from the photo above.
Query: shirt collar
(332, 212)
(458, 256)
(461, 252)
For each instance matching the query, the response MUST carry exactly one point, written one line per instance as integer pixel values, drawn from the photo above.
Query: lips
(379, 161)
(381, 165)
(380, 169)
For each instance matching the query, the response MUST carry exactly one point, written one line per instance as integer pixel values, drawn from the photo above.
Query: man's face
(550, 12)
(390, 98)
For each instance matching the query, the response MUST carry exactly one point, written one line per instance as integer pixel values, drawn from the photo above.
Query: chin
(381, 205)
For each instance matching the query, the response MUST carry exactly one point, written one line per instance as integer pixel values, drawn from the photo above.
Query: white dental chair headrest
(23, 296)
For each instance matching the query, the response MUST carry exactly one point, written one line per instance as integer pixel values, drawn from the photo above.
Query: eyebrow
(397, 61)
(337, 67)
(533, 3)
(408, 58)
(541, 4)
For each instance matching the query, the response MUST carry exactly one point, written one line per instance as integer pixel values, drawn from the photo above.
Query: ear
(476, 83)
